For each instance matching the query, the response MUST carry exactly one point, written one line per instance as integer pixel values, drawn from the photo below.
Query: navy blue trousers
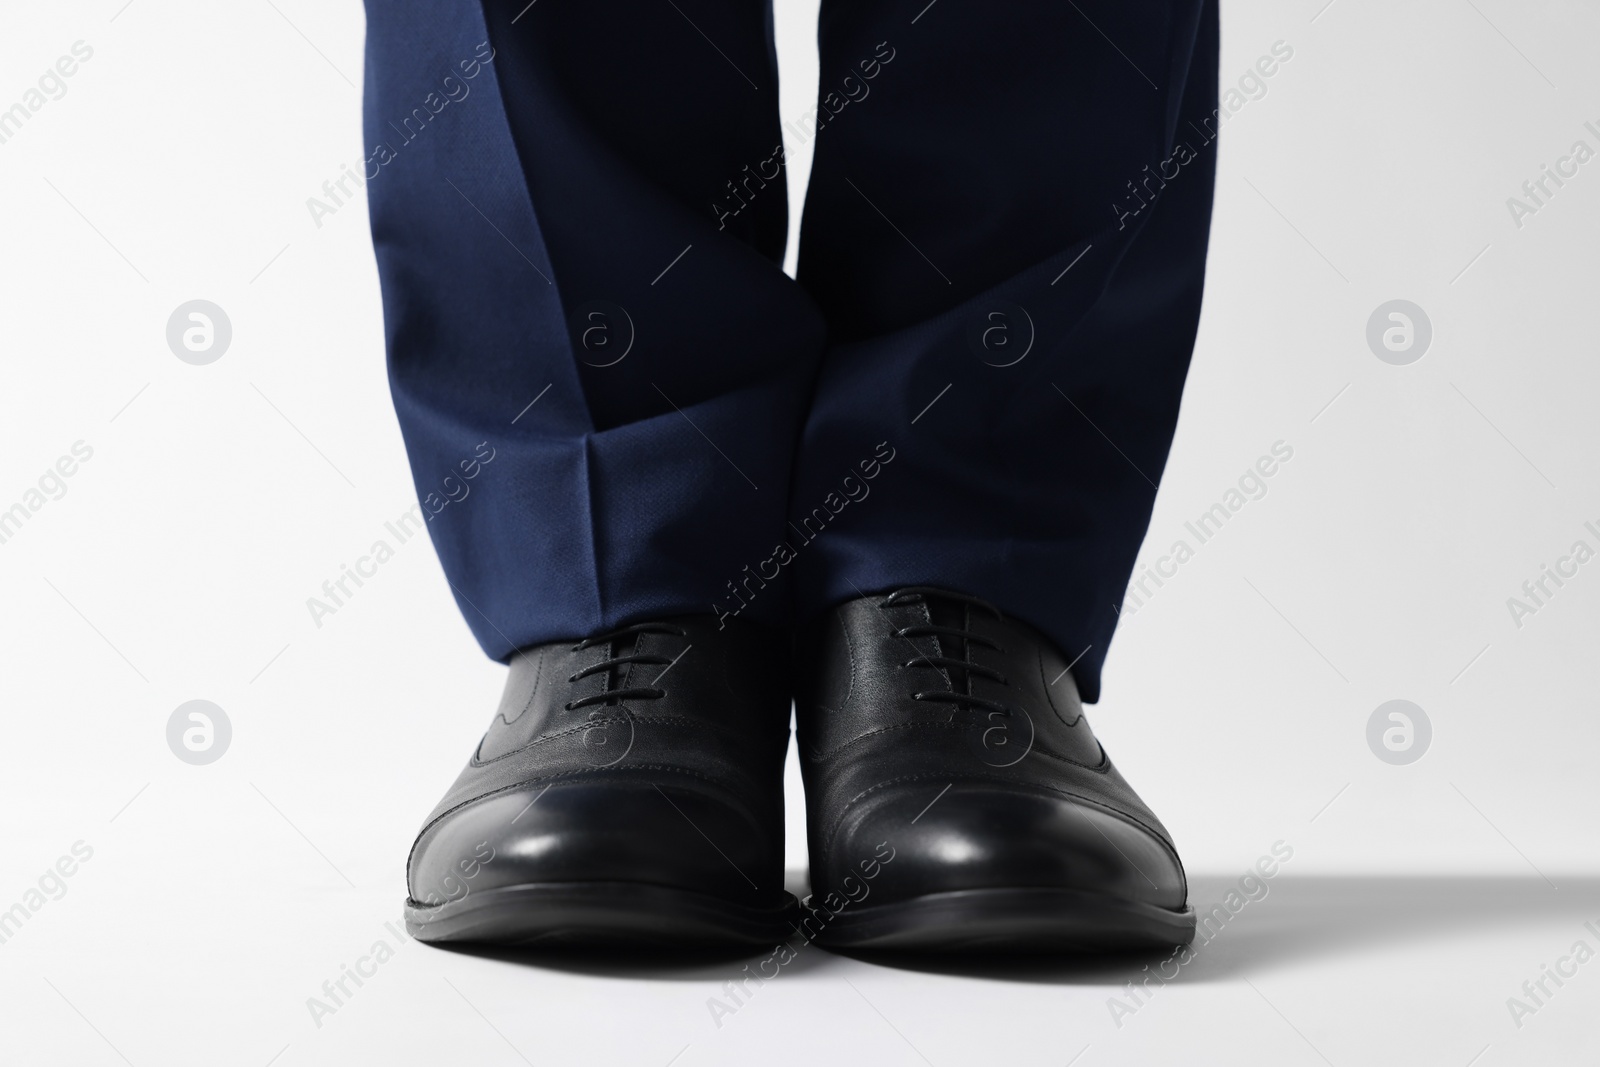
(616, 404)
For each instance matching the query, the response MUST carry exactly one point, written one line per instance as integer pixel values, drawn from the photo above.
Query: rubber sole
(1003, 921)
(600, 913)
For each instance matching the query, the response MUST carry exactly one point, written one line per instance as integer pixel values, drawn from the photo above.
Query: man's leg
(1035, 174)
(579, 241)
(600, 372)
(1006, 229)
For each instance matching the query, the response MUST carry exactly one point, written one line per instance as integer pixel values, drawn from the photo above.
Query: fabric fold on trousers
(974, 383)
(639, 371)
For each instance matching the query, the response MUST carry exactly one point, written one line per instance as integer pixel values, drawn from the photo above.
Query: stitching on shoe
(1100, 768)
(587, 724)
(808, 751)
(533, 691)
(850, 652)
(1048, 695)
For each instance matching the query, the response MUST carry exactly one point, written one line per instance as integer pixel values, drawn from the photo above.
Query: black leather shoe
(956, 797)
(629, 789)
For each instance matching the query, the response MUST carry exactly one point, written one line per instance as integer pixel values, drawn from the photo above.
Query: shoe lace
(611, 662)
(962, 668)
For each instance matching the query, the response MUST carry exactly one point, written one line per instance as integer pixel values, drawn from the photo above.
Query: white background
(177, 566)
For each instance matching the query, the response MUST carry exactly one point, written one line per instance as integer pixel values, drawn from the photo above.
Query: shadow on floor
(1301, 919)
(646, 964)
(1307, 918)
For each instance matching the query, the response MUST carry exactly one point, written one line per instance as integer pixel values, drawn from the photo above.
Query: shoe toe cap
(596, 831)
(984, 837)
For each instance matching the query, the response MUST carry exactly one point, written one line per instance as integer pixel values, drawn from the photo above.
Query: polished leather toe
(610, 830)
(984, 836)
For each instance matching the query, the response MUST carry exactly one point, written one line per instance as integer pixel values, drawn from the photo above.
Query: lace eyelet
(567, 705)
